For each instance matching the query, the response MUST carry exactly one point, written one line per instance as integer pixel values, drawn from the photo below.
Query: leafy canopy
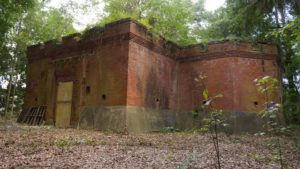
(172, 19)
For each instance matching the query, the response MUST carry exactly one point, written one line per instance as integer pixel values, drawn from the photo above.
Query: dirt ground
(48, 147)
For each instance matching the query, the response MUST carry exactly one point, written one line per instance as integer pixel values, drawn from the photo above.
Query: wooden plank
(40, 115)
(34, 118)
(21, 116)
(26, 119)
(63, 115)
(64, 104)
(30, 116)
(26, 115)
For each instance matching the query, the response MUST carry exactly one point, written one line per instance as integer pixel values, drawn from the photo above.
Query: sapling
(268, 86)
(214, 119)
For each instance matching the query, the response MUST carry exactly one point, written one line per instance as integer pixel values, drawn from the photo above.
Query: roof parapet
(129, 25)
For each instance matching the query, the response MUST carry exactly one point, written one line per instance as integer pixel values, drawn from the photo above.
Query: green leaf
(205, 94)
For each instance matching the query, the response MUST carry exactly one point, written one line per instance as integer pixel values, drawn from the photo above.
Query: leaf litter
(49, 147)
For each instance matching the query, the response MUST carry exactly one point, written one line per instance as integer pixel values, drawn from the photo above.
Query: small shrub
(9, 142)
(268, 86)
(215, 117)
(91, 142)
(170, 130)
(67, 142)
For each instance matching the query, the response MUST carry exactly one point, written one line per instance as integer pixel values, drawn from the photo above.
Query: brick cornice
(81, 47)
(63, 50)
(225, 54)
(131, 30)
(158, 48)
(84, 47)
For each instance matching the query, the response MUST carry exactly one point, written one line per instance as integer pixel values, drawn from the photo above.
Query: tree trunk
(13, 100)
(9, 90)
(282, 13)
(14, 85)
(12, 72)
(281, 55)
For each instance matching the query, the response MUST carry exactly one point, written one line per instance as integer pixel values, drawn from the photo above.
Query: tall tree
(10, 10)
(173, 19)
(265, 20)
(38, 24)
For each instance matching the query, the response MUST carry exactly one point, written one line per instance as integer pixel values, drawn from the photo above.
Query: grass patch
(9, 142)
(138, 142)
(170, 130)
(67, 142)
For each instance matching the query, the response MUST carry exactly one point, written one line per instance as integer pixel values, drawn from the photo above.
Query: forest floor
(49, 147)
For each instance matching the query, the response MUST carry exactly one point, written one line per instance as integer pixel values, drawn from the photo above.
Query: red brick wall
(106, 74)
(37, 79)
(130, 66)
(229, 73)
(219, 80)
(151, 78)
(97, 59)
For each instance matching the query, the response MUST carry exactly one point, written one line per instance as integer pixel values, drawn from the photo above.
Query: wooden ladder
(34, 116)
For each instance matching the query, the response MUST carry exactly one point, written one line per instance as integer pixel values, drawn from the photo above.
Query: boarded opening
(88, 90)
(63, 104)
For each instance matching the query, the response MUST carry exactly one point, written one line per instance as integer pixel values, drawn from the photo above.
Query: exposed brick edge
(151, 45)
(225, 54)
(86, 47)
(81, 47)
(204, 56)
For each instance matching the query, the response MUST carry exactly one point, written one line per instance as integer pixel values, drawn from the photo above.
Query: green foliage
(10, 11)
(170, 130)
(246, 20)
(36, 24)
(215, 118)
(268, 85)
(41, 25)
(172, 19)
(256, 157)
(196, 112)
(264, 20)
(137, 142)
(9, 142)
(205, 94)
(235, 21)
(66, 142)
(290, 36)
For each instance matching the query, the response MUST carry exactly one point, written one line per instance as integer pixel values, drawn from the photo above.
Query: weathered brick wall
(124, 76)
(152, 69)
(96, 60)
(230, 69)
(151, 78)
(36, 81)
(106, 75)
(45, 75)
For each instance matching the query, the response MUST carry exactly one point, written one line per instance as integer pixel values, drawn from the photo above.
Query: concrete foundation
(121, 118)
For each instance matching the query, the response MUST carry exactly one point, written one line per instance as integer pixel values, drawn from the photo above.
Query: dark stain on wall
(122, 64)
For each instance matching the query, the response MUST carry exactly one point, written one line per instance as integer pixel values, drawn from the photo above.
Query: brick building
(121, 76)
